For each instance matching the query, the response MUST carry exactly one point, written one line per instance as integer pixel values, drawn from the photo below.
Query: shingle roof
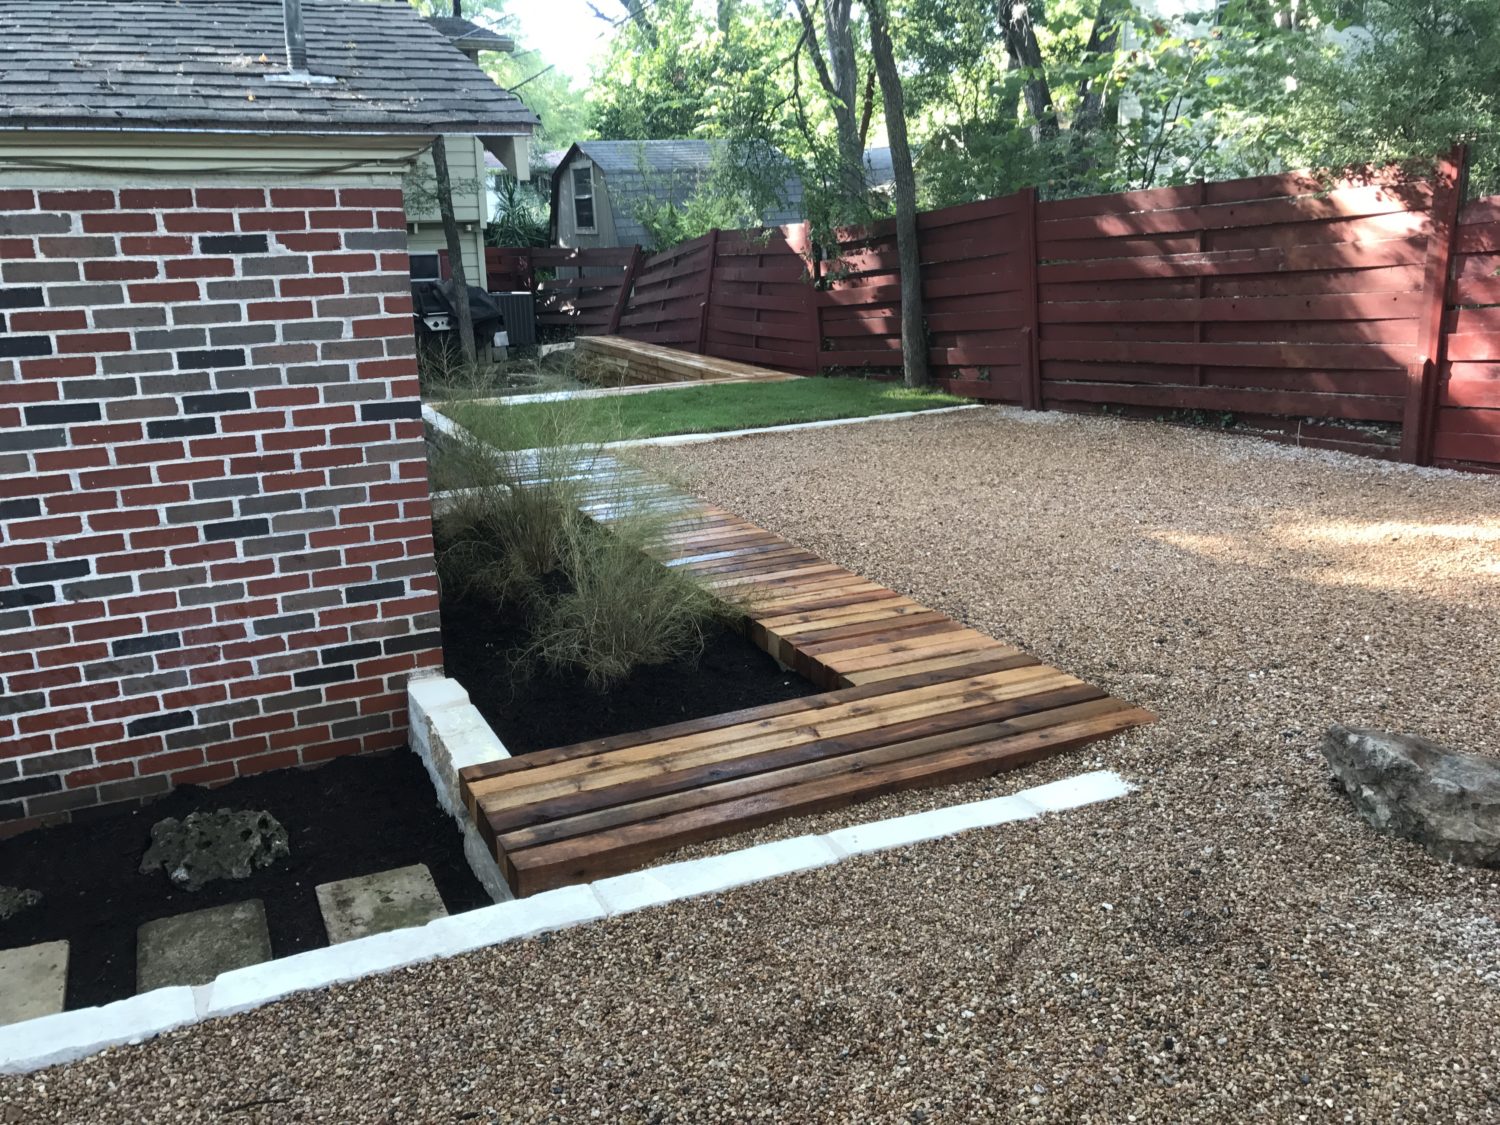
(467, 35)
(658, 171)
(122, 64)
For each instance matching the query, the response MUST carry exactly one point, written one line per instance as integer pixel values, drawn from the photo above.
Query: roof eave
(273, 128)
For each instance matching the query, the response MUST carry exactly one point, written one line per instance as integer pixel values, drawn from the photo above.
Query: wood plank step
(629, 846)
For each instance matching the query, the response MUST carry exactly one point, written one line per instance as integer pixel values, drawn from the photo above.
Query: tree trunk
(1019, 27)
(839, 78)
(460, 283)
(1092, 91)
(913, 327)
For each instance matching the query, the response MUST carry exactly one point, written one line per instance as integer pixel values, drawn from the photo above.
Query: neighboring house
(471, 163)
(599, 187)
(215, 538)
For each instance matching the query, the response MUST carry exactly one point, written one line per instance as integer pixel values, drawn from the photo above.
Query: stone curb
(70, 1036)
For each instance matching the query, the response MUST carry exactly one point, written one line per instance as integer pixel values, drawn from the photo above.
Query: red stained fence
(1338, 315)
(1468, 404)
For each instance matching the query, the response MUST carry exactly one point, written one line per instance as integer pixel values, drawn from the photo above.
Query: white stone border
(448, 733)
(68, 1036)
(448, 427)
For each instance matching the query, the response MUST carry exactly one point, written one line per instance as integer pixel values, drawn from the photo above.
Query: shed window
(583, 197)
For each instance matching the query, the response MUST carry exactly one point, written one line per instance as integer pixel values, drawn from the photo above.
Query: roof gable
(203, 64)
(637, 172)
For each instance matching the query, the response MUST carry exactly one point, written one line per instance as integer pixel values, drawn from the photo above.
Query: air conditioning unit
(518, 314)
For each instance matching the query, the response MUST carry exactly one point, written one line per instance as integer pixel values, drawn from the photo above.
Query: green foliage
(511, 532)
(1242, 88)
(620, 608)
(521, 214)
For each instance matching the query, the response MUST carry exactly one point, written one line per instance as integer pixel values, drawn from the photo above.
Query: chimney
(296, 44)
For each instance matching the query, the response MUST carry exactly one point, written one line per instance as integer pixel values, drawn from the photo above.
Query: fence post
(623, 298)
(1424, 376)
(708, 290)
(1031, 376)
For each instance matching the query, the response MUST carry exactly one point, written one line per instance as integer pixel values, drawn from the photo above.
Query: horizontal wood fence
(1360, 315)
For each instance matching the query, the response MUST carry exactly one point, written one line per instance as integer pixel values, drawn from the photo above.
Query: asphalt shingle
(205, 64)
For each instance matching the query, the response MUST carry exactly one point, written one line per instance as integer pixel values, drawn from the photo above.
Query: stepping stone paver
(33, 981)
(194, 948)
(373, 904)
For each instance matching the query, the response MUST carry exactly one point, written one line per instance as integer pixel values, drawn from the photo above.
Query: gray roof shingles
(202, 64)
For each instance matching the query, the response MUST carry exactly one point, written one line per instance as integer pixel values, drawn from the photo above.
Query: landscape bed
(691, 410)
(546, 708)
(347, 818)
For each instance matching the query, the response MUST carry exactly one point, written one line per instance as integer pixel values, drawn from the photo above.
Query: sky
(566, 32)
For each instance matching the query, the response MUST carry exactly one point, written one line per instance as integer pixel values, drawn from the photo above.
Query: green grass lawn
(692, 410)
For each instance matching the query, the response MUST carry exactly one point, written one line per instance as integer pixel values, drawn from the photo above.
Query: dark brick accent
(414, 642)
(22, 297)
(181, 427)
(17, 347)
(233, 244)
(135, 646)
(20, 440)
(199, 360)
(26, 701)
(53, 571)
(342, 654)
(27, 595)
(269, 626)
(374, 591)
(20, 509)
(98, 588)
(61, 413)
(315, 676)
(236, 529)
(216, 404)
(59, 761)
(212, 595)
(227, 486)
(35, 223)
(389, 411)
(155, 724)
(29, 786)
(99, 388)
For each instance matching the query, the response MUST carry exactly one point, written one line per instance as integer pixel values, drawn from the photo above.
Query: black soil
(351, 817)
(547, 709)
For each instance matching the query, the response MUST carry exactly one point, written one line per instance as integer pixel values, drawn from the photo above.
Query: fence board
(1282, 296)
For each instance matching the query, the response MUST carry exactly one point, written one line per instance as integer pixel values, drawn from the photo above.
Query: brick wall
(215, 534)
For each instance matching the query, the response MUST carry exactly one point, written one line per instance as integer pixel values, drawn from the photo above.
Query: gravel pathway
(1228, 944)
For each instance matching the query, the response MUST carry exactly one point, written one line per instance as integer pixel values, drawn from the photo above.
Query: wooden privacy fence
(1342, 315)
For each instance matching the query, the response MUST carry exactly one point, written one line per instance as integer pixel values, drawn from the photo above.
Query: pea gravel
(1228, 944)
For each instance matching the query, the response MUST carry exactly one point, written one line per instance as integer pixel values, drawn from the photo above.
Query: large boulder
(1446, 801)
(204, 846)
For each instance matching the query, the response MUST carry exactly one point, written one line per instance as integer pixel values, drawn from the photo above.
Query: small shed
(599, 187)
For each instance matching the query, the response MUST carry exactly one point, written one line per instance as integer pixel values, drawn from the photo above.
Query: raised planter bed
(547, 709)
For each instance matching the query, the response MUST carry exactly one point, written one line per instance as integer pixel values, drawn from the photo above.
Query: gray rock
(1446, 801)
(13, 900)
(204, 846)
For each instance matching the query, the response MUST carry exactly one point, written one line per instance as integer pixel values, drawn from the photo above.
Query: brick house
(215, 534)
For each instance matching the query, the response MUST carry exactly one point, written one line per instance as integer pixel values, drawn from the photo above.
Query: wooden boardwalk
(913, 699)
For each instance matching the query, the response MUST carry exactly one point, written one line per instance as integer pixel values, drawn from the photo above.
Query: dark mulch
(549, 709)
(353, 816)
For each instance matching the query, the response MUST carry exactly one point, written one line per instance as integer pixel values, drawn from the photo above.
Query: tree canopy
(1073, 96)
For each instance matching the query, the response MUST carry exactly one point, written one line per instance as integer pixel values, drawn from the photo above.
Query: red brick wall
(215, 532)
